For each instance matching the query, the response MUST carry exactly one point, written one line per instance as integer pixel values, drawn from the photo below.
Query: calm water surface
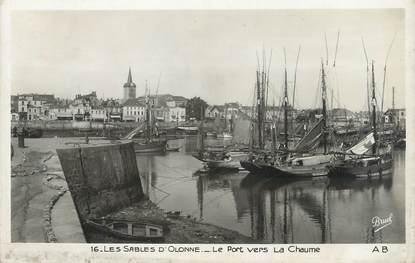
(277, 211)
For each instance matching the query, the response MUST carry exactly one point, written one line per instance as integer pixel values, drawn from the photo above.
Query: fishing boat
(299, 162)
(128, 230)
(225, 160)
(218, 157)
(356, 163)
(150, 144)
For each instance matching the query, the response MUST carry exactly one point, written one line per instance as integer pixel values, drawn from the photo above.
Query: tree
(194, 107)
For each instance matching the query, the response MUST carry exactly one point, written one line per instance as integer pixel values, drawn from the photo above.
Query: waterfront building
(396, 117)
(129, 88)
(98, 114)
(212, 112)
(80, 111)
(34, 106)
(113, 109)
(133, 110)
(176, 114)
(60, 112)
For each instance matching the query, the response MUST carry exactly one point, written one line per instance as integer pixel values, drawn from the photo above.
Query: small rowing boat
(129, 230)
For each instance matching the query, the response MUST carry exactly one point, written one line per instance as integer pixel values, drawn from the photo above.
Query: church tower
(129, 88)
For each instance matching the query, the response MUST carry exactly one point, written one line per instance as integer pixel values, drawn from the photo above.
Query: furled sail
(311, 140)
(363, 146)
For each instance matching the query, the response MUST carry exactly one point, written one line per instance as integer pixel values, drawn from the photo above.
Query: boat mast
(259, 110)
(285, 105)
(374, 109)
(148, 132)
(367, 77)
(323, 90)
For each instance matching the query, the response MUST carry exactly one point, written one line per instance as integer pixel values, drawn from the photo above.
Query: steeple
(130, 79)
(129, 87)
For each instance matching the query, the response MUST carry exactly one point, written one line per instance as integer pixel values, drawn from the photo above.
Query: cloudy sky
(211, 54)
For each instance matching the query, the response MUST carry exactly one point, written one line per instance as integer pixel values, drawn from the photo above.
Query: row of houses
(88, 107)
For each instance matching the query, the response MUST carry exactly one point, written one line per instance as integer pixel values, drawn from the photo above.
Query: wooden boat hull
(231, 163)
(352, 171)
(105, 229)
(252, 167)
(151, 147)
(293, 171)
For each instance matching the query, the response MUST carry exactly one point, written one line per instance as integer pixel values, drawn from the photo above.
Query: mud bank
(180, 228)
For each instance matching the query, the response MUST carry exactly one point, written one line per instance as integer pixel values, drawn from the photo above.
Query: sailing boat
(301, 163)
(150, 145)
(226, 134)
(218, 158)
(355, 163)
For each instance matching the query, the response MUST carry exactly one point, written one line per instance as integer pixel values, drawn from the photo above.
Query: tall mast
(259, 110)
(148, 135)
(324, 97)
(375, 135)
(367, 78)
(285, 109)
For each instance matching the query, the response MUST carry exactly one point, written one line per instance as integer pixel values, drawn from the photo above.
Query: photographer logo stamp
(379, 223)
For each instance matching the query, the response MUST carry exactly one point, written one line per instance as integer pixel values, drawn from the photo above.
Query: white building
(176, 114)
(60, 113)
(34, 106)
(133, 110)
(98, 114)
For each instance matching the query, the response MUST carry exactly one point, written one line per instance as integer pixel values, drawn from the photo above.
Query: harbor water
(277, 211)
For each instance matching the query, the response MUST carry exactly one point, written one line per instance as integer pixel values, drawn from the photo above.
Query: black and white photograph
(249, 126)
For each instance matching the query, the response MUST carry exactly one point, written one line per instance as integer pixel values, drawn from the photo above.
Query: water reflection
(278, 211)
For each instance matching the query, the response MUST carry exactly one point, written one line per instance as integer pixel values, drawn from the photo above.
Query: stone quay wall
(101, 179)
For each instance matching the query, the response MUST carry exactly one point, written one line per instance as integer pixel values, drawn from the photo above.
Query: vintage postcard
(207, 134)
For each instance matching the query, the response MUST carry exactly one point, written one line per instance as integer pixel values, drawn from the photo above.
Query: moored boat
(229, 160)
(298, 162)
(355, 162)
(150, 147)
(128, 230)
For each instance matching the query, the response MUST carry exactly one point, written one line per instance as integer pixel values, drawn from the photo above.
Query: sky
(211, 54)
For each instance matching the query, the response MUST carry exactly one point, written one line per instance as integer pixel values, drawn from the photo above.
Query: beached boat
(128, 230)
